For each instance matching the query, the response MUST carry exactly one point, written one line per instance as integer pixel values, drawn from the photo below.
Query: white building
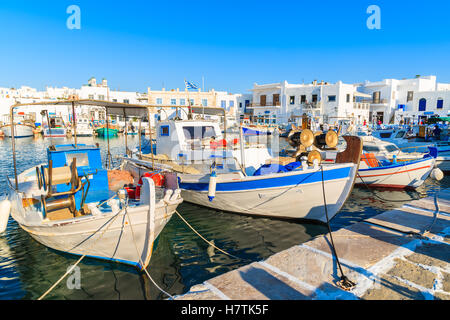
(407, 100)
(280, 103)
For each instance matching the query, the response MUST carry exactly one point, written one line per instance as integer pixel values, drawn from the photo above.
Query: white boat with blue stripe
(228, 175)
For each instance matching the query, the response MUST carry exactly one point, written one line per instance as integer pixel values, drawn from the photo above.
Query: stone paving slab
(255, 282)
(411, 220)
(362, 244)
(428, 204)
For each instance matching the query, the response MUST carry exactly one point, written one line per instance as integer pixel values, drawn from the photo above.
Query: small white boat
(84, 127)
(390, 151)
(74, 205)
(57, 128)
(380, 172)
(24, 126)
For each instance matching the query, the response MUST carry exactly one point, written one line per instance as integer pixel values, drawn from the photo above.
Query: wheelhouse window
(391, 148)
(197, 132)
(371, 148)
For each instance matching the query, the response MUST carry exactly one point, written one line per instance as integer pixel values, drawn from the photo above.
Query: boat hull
(293, 195)
(115, 244)
(404, 175)
(20, 131)
(55, 132)
(104, 132)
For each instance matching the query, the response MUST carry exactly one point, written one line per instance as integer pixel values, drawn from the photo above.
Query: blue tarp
(251, 132)
(275, 168)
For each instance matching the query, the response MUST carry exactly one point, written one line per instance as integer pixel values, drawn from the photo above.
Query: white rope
(82, 257)
(140, 260)
(209, 242)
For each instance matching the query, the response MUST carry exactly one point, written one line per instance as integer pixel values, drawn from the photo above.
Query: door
(276, 99)
(262, 100)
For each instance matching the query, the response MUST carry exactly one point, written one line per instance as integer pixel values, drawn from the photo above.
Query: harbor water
(181, 258)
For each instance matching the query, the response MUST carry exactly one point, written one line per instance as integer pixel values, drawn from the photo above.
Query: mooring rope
(209, 242)
(140, 260)
(109, 223)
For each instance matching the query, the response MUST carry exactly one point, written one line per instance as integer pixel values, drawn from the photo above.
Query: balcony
(264, 105)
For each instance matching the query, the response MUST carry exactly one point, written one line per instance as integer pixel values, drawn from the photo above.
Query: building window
(240, 105)
(292, 100)
(422, 104)
(303, 98)
(173, 102)
(91, 97)
(440, 103)
(114, 100)
(192, 102)
(331, 98)
(223, 104)
(182, 102)
(101, 97)
(126, 101)
(348, 97)
(205, 102)
(231, 103)
(410, 96)
(314, 98)
(158, 100)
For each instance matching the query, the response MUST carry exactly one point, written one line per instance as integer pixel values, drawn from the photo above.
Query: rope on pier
(345, 283)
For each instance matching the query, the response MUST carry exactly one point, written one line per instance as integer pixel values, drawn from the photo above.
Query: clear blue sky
(136, 44)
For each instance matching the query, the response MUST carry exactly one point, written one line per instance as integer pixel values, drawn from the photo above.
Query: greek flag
(190, 85)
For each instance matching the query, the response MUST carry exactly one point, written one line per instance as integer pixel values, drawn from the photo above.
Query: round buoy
(437, 174)
(331, 139)
(307, 138)
(5, 209)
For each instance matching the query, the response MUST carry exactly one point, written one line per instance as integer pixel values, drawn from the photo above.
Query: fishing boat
(103, 131)
(56, 129)
(84, 126)
(23, 127)
(378, 171)
(74, 205)
(249, 179)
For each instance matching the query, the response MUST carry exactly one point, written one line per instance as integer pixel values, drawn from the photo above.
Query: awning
(210, 111)
(113, 108)
(360, 94)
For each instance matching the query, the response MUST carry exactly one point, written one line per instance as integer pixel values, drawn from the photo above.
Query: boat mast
(108, 155)
(13, 142)
(151, 138)
(74, 124)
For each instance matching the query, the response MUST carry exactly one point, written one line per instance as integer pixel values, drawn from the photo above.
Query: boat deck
(388, 257)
